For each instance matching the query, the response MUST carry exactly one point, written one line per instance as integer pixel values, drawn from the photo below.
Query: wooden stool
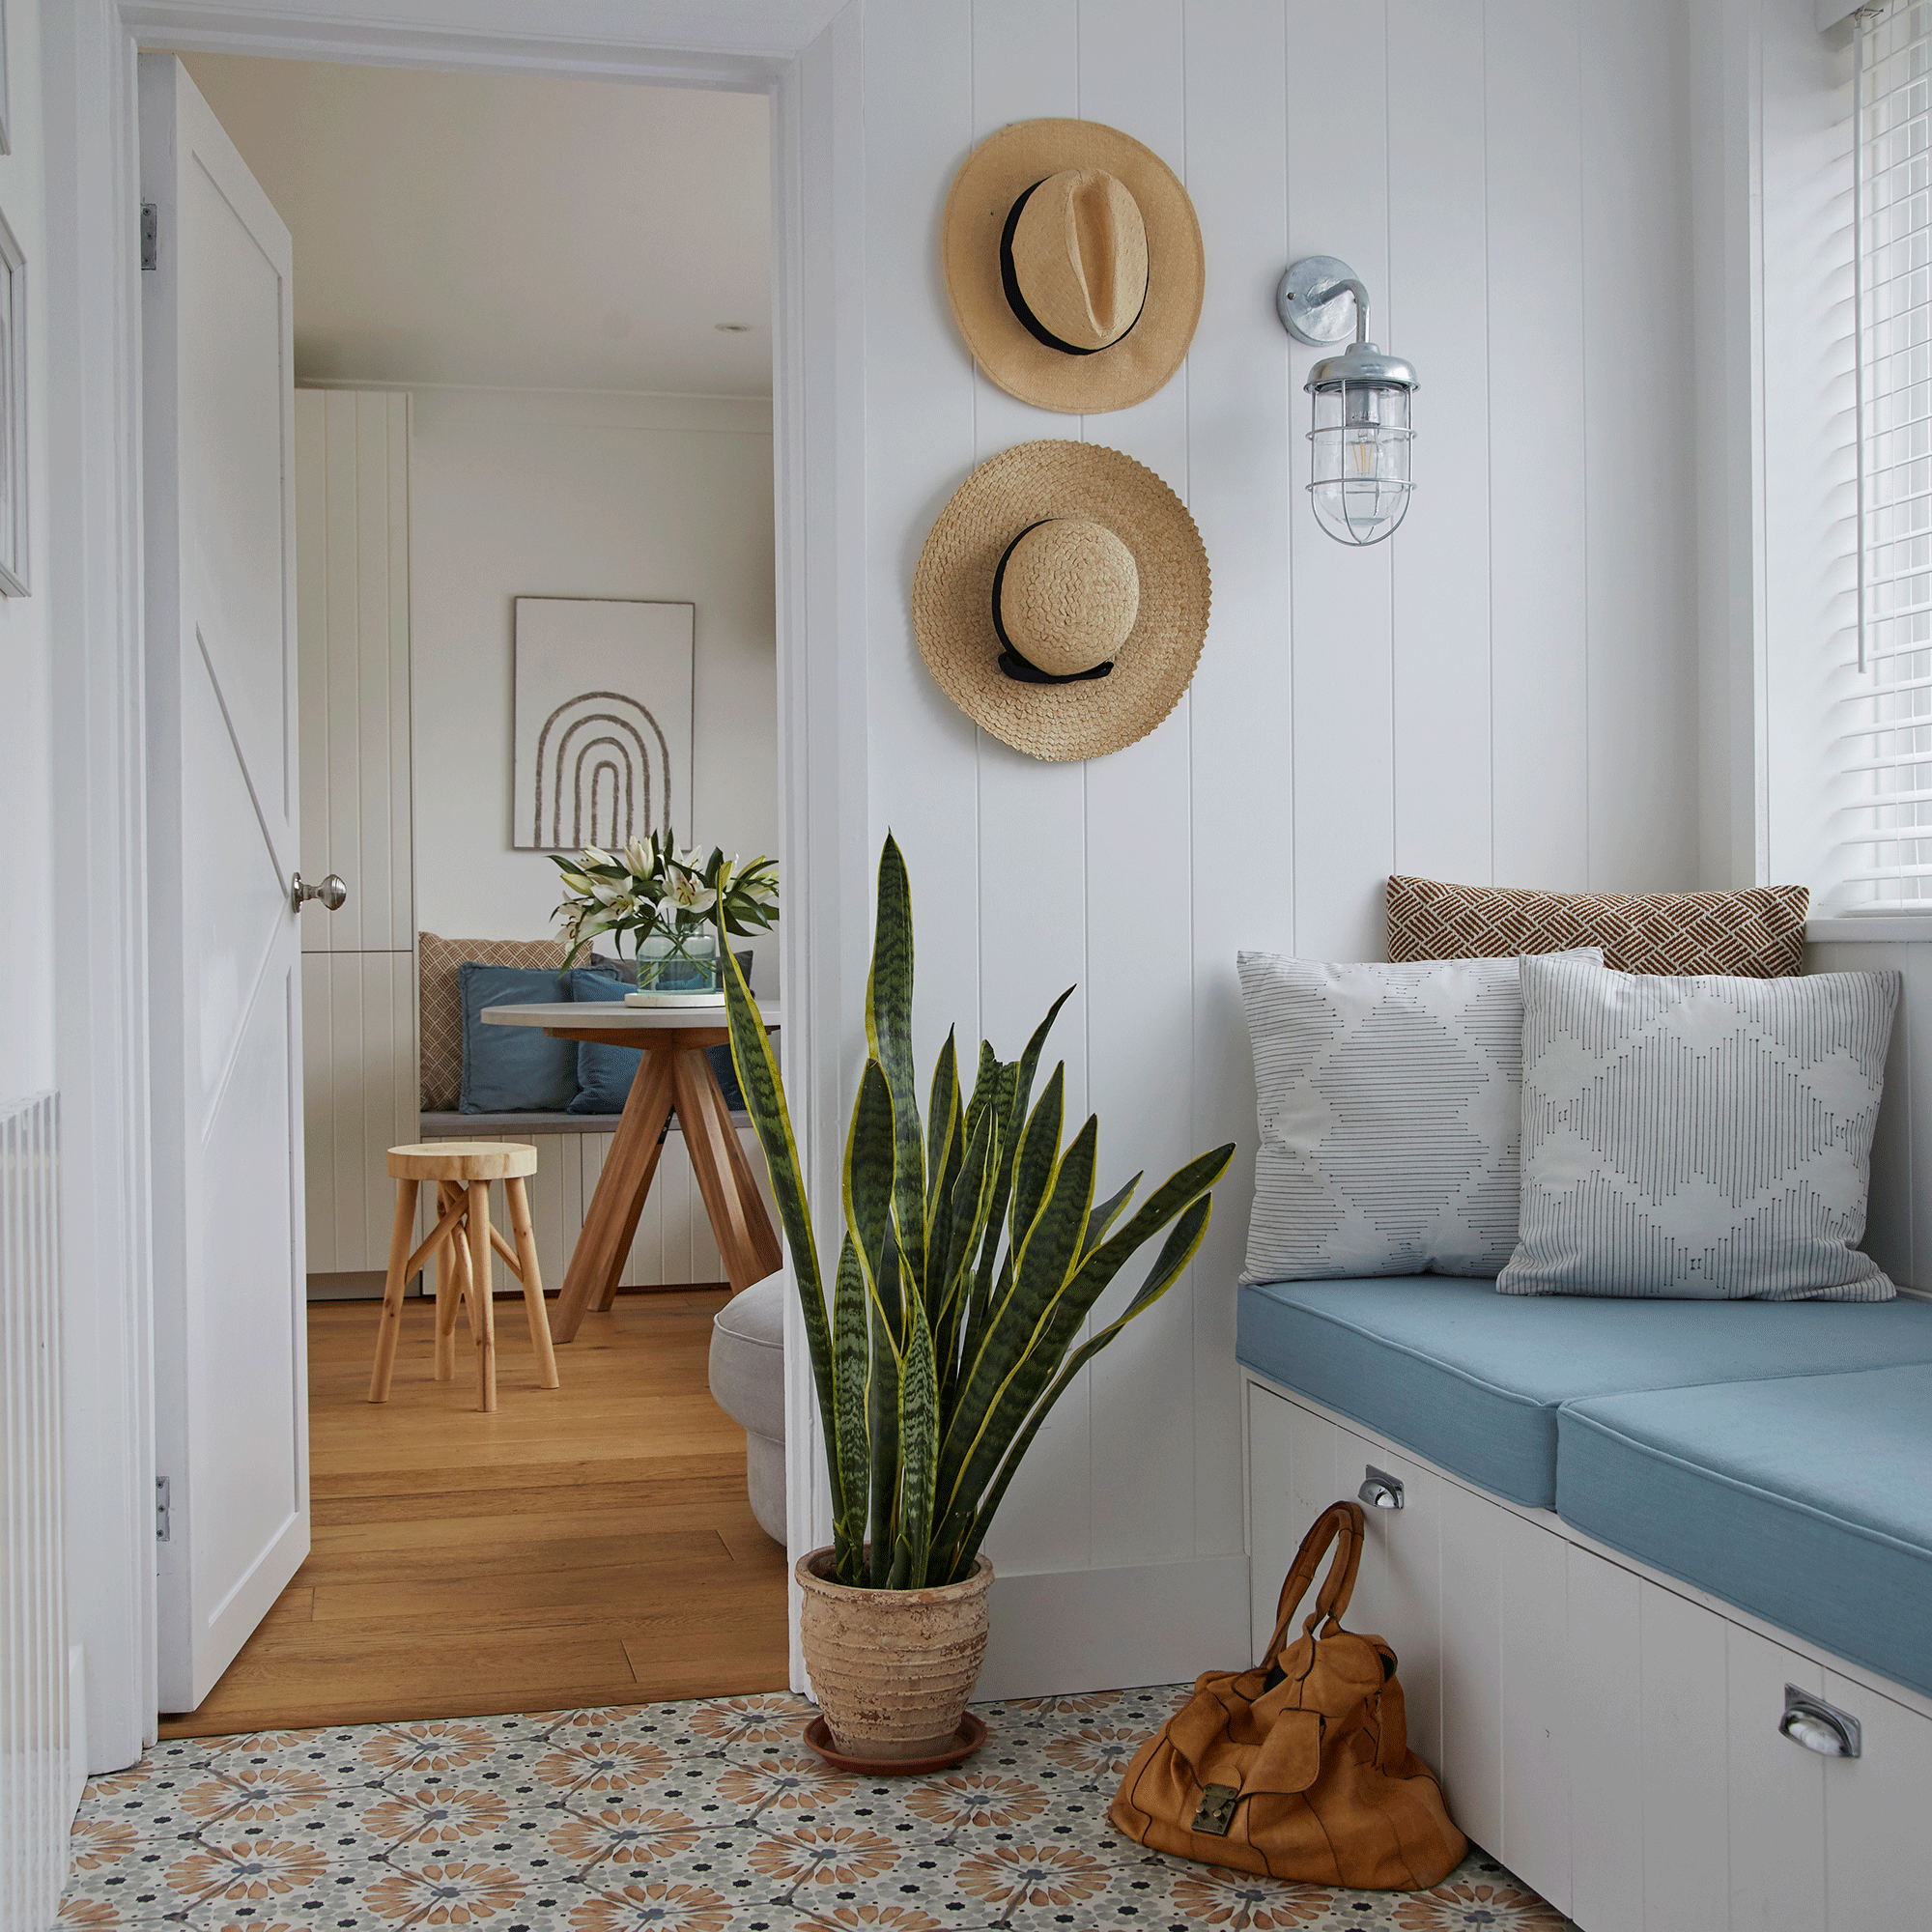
(459, 1248)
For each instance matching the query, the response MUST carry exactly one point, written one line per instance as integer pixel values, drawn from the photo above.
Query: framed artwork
(12, 414)
(601, 734)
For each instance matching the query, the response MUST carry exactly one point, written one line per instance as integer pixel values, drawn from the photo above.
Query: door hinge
(151, 236)
(164, 1510)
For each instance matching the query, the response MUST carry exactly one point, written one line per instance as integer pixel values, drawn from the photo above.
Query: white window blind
(1885, 743)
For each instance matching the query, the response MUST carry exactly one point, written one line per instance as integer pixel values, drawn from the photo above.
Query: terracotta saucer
(966, 1740)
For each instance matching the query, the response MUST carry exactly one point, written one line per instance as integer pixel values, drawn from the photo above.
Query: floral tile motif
(708, 1816)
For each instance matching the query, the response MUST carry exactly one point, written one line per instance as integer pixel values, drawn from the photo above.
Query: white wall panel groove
(359, 1083)
(1499, 695)
(36, 1803)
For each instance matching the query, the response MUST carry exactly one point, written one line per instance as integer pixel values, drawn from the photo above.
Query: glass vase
(678, 969)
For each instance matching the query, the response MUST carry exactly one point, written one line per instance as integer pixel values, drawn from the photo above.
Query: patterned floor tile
(708, 1816)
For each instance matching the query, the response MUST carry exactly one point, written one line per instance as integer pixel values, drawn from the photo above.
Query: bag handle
(1342, 1524)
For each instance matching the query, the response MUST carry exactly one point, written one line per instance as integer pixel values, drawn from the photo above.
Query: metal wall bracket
(1379, 1489)
(151, 236)
(164, 1510)
(1820, 1726)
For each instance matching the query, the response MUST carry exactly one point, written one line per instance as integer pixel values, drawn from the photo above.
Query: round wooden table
(674, 1076)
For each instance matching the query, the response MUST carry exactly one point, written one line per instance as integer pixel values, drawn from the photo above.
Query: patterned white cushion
(1390, 1102)
(1699, 1137)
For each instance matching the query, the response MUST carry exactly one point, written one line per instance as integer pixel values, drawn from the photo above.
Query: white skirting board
(1609, 1732)
(1066, 1630)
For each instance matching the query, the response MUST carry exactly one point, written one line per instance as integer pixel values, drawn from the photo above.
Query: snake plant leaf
(1105, 1214)
(966, 1217)
(758, 1070)
(1039, 1156)
(1177, 1251)
(1039, 1276)
(918, 1452)
(1015, 1097)
(882, 1423)
(943, 1116)
(852, 1448)
(889, 1036)
(944, 1150)
(868, 1186)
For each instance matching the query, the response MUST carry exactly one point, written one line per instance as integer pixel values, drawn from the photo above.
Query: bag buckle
(1217, 1809)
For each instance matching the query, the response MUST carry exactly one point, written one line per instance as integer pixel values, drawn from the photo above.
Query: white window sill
(1879, 929)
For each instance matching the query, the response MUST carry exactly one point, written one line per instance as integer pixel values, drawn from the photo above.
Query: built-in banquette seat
(1661, 1579)
(1775, 1454)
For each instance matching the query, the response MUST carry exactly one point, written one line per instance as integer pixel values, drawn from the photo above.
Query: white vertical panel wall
(1503, 694)
(359, 1084)
(36, 1802)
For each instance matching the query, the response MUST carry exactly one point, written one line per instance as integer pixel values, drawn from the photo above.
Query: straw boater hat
(1073, 261)
(1062, 599)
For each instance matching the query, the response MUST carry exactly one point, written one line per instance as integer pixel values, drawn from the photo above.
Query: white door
(230, 1349)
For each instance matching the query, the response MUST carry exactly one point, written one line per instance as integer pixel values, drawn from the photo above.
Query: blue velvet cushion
(513, 1070)
(1473, 1381)
(1803, 1500)
(604, 1074)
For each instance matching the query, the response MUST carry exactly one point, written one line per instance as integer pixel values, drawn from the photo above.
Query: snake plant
(973, 1254)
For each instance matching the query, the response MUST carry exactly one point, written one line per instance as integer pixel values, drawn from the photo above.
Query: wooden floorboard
(587, 1545)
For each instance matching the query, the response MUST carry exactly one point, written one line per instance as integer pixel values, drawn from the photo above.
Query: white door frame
(805, 56)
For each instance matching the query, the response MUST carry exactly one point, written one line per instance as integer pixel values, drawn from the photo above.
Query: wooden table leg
(532, 1281)
(483, 1319)
(392, 1291)
(612, 1219)
(745, 1238)
(455, 1251)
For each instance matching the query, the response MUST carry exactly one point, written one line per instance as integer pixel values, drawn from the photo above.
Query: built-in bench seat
(1475, 1380)
(1630, 1534)
(1804, 1500)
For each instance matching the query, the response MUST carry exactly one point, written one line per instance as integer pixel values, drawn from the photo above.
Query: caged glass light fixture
(1359, 480)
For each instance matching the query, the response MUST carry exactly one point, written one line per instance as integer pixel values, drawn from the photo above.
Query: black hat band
(1011, 662)
(1009, 280)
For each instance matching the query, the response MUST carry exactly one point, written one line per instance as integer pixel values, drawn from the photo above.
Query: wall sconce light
(1359, 469)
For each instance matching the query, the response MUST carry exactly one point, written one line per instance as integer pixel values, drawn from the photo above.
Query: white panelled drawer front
(1611, 1736)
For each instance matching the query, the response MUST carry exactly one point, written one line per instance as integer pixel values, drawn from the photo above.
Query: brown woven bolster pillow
(1754, 934)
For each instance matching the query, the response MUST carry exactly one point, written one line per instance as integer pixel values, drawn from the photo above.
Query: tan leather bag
(1299, 1769)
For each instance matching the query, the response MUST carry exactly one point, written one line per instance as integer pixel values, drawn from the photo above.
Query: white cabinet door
(230, 1352)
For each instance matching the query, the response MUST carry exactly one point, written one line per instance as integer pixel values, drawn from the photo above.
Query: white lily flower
(595, 855)
(638, 860)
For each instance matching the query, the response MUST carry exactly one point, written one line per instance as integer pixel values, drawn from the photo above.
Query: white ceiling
(550, 233)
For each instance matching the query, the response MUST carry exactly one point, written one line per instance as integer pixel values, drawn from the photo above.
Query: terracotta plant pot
(892, 1669)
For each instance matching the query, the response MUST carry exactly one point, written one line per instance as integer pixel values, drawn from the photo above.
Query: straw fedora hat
(1062, 599)
(1073, 260)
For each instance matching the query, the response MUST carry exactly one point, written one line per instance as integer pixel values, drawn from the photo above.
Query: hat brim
(952, 598)
(996, 174)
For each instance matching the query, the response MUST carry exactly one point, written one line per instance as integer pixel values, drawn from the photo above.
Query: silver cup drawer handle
(1820, 1726)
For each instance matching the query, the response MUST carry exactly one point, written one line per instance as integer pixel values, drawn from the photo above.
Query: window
(1885, 743)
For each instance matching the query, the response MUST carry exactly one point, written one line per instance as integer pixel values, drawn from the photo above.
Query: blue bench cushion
(1472, 1379)
(1803, 1500)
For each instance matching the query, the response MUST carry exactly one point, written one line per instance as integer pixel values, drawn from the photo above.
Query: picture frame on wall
(12, 414)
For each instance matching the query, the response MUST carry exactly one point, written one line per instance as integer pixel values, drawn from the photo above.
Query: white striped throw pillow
(1390, 1104)
(1698, 1138)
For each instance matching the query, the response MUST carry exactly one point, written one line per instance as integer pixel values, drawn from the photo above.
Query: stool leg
(392, 1291)
(448, 1261)
(483, 1321)
(527, 1267)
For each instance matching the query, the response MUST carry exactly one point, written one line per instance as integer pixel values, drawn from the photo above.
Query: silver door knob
(332, 892)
